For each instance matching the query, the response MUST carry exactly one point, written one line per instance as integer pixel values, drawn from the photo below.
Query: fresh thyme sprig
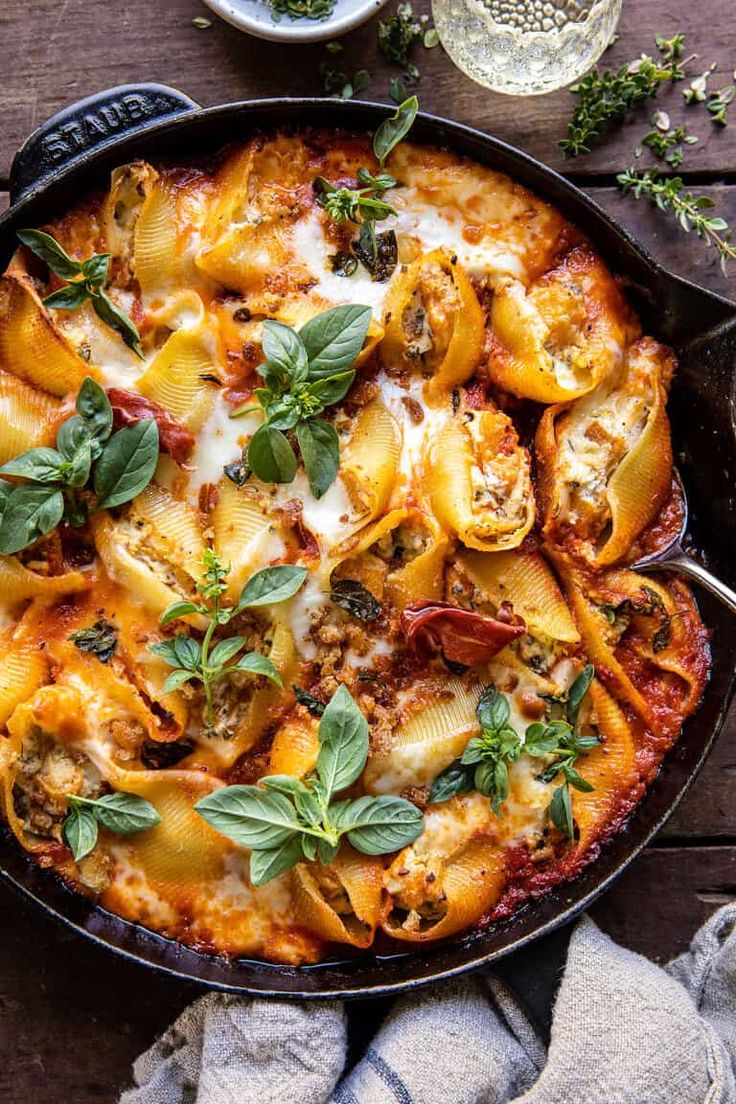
(669, 194)
(397, 35)
(201, 662)
(606, 98)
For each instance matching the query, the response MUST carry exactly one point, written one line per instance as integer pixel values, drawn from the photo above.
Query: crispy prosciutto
(129, 407)
(463, 636)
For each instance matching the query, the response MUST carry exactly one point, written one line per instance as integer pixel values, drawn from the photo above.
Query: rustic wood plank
(661, 900)
(73, 1017)
(52, 53)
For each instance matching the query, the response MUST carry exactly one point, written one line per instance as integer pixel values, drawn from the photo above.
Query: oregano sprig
(207, 663)
(90, 468)
(86, 283)
(366, 205)
(304, 373)
(690, 211)
(285, 820)
(122, 813)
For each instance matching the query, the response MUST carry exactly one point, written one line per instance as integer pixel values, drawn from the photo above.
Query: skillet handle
(93, 123)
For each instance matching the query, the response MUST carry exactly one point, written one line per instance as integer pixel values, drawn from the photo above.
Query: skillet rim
(252, 115)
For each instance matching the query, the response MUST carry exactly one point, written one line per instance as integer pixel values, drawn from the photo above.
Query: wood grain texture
(53, 52)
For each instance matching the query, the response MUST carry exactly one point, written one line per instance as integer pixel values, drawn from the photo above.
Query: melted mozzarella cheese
(219, 442)
(310, 243)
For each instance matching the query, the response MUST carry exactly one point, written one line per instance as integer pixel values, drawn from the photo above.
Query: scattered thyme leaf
(301, 9)
(201, 22)
(667, 143)
(398, 34)
(398, 92)
(718, 104)
(696, 91)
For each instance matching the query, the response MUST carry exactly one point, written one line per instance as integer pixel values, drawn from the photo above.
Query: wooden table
(72, 1017)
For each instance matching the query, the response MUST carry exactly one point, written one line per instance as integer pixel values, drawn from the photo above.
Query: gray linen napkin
(624, 1032)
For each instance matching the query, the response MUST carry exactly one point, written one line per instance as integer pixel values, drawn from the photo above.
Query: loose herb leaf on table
(304, 373)
(87, 281)
(285, 820)
(118, 465)
(206, 662)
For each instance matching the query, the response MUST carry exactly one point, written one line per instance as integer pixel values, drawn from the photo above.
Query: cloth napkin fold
(624, 1031)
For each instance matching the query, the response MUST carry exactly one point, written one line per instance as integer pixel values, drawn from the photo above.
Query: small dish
(256, 18)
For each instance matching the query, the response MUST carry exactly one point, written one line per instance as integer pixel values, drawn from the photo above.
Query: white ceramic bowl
(256, 18)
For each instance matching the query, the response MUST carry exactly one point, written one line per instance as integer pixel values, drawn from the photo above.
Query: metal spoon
(673, 557)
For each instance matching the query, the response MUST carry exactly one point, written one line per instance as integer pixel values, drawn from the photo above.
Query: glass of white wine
(525, 47)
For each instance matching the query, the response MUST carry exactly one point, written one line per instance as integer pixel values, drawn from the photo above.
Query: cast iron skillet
(75, 150)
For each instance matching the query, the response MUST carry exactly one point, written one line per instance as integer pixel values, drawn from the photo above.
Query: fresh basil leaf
(79, 466)
(284, 347)
(484, 778)
(165, 649)
(455, 780)
(268, 864)
(333, 388)
(327, 851)
(320, 449)
(40, 464)
(70, 297)
(539, 740)
(251, 817)
(76, 511)
(314, 705)
(380, 183)
(309, 847)
(225, 650)
(49, 250)
(271, 457)
(72, 435)
(272, 585)
(560, 811)
(176, 680)
(577, 692)
(283, 783)
(127, 464)
(334, 338)
(576, 779)
(94, 406)
(493, 709)
(79, 831)
(6, 490)
(343, 736)
(393, 130)
(125, 813)
(30, 513)
(95, 270)
(256, 664)
(308, 807)
(379, 825)
(188, 651)
(176, 610)
(474, 751)
(282, 414)
(116, 318)
(353, 597)
(99, 640)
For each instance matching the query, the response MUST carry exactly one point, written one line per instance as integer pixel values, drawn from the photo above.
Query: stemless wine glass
(525, 47)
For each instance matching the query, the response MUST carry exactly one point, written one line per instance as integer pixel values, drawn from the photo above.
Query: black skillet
(74, 151)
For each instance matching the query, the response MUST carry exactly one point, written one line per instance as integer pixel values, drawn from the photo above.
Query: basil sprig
(87, 281)
(121, 813)
(117, 465)
(484, 763)
(366, 205)
(286, 820)
(304, 373)
(202, 662)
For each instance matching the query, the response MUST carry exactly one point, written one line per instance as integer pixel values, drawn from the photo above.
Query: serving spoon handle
(678, 560)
